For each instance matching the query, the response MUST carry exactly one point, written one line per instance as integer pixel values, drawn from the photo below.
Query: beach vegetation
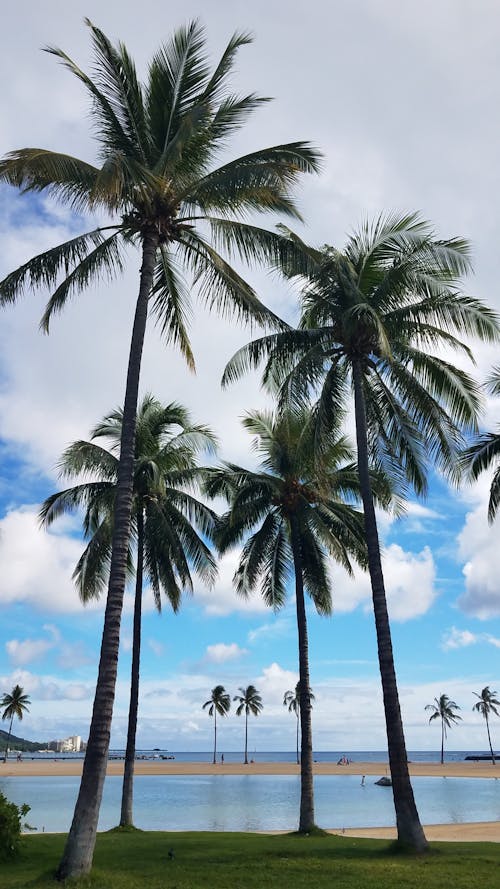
(249, 701)
(289, 514)
(444, 709)
(219, 702)
(378, 318)
(291, 700)
(487, 704)
(14, 705)
(169, 524)
(159, 188)
(227, 860)
(11, 826)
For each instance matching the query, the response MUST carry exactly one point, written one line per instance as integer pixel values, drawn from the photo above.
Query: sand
(478, 831)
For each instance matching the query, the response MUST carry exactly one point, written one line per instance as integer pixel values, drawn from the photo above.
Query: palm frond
(67, 178)
(104, 261)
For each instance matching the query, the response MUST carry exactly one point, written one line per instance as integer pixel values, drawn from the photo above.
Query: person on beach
(222, 759)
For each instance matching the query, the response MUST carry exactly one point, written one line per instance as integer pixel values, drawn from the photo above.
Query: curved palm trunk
(215, 735)
(489, 739)
(79, 849)
(126, 817)
(442, 741)
(8, 739)
(246, 737)
(306, 821)
(410, 832)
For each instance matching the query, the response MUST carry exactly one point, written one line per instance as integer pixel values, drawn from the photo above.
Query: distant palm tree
(291, 699)
(16, 704)
(169, 525)
(250, 702)
(444, 709)
(487, 704)
(219, 702)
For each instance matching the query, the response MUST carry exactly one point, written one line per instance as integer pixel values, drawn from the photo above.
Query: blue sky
(404, 123)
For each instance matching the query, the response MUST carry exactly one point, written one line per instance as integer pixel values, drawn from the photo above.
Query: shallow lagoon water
(254, 802)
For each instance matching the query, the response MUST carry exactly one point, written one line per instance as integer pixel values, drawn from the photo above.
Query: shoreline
(71, 767)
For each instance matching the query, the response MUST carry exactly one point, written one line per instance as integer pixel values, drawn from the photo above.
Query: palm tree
(218, 702)
(16, 704)
(295, 503)
(444, 709)
(374, 318)
(250, 701)
(486, 705)
(157, 182)
(291, 699)
(164, 522)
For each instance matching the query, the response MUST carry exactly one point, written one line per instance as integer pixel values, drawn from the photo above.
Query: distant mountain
(20, 743)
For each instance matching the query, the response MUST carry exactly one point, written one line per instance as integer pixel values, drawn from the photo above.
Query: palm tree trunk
(8, 739)
(215, 735)
(442, 741)
(489, 739)
(79, 849)
(298, 760)
(126, 818)
(246, 738)
(306, 820)
(410, 832)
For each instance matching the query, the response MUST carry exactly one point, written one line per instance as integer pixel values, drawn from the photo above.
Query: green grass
(137, 860)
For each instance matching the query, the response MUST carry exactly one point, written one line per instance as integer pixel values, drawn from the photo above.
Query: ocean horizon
(263, 755)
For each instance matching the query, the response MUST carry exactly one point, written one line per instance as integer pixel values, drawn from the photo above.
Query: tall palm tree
(484, 452)
(375, 317)
(218, 702)
(167, 521)
(294, 506)
(16, 704)
(486, 705)
(250, 701)
(157, 181)
(444, 709)
(291, 699)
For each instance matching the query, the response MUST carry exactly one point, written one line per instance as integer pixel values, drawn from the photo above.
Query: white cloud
(22, 653)
(478, 547)
(455, 638)
(409, 583)
(282, 626)
(220, 653)
(37, 565)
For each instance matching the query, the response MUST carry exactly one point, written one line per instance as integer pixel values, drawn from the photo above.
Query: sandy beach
(477, 831)
(45, 767)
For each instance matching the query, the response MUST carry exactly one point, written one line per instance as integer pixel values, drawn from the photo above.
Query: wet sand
(472, 832)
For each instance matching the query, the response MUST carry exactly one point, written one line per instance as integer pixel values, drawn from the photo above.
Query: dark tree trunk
(8, 739)
(442, 741)
(489, 739)
(126, 818)
(410, 832)
(306, 821)
(298, 760)
(215, 734)
(79, 849)
(246, 738)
